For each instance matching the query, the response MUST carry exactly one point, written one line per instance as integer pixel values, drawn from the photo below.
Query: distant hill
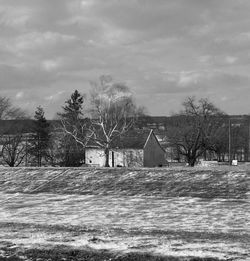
(159, 123)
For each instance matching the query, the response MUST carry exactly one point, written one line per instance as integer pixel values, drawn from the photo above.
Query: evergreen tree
(41, 136)
(71, 118)
(72, 111)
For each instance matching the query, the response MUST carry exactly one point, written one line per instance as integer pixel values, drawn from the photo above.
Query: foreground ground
(65, 253)
(86, 214)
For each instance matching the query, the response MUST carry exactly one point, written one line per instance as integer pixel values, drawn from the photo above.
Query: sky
(163, 50)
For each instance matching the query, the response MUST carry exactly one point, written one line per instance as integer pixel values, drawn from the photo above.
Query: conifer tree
(72, 111)
(41, 136)
(71, 118)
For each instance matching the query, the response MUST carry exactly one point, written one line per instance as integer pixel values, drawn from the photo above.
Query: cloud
(202, 48)
(231, 59)
(36, 40)
(204, 83)
(19, 78)
(50, 65)
(220, 60)
(19, 95)
(55, 96)
(185, 78)
(16, 18)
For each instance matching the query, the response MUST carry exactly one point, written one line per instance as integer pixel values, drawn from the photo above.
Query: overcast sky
(164, 50)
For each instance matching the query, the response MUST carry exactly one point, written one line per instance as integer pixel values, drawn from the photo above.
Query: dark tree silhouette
(72, 129)
(195, 128)
(13, 150)
(40, 138)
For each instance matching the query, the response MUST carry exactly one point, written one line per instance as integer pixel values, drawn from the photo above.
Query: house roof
(134, 139)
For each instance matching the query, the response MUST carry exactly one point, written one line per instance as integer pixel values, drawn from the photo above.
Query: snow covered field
(197, 213)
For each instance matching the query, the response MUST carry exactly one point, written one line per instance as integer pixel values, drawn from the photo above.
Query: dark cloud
(164, 50)
(23, 78)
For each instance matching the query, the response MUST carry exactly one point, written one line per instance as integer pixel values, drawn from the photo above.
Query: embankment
(223, 182)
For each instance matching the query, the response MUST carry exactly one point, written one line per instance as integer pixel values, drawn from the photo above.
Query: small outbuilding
(138, 148)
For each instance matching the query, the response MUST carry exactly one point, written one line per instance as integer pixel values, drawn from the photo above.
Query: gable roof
(156, 139)
(133, 139)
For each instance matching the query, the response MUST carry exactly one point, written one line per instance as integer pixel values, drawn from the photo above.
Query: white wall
(95, 157)
(122, 158)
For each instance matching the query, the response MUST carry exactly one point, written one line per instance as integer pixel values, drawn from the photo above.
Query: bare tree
(8, 111)
(239, 139)
(113, 113)
(194, 130)
(13, 150)
(220, 140)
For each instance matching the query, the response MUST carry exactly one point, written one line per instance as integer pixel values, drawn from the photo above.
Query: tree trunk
(191, 162)
(107, 156)
(12, 163)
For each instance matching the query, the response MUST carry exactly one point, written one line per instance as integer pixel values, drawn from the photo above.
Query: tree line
(199, 128)
(202, 129)
(112, 112)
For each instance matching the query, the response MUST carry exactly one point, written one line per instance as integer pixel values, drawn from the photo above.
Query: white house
(138, 148)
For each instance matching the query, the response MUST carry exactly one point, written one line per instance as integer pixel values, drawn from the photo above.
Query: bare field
(181, 214)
